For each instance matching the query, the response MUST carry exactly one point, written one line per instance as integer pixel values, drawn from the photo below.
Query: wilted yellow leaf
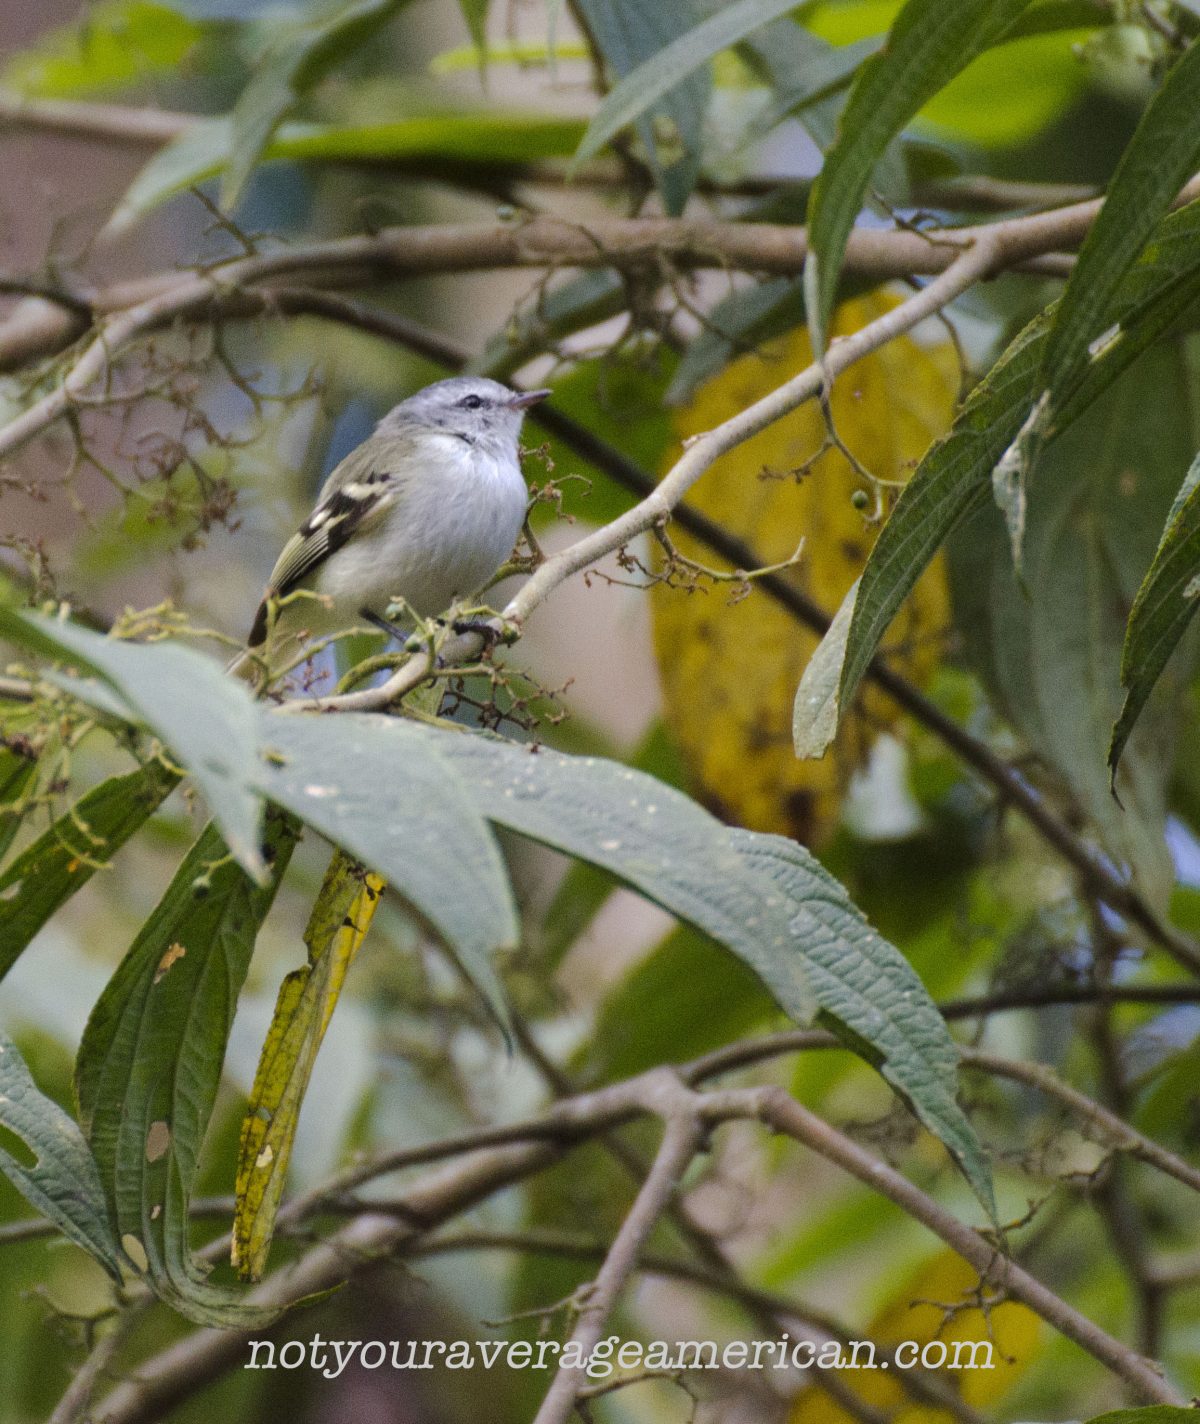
(337, 927)
(730, 672)
(925, 1311)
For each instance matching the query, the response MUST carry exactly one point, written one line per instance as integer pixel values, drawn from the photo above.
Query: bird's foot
(506, 633)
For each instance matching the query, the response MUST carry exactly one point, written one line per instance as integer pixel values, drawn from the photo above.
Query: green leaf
(955, 476)
(1148, 1414)
(818, 698)
(336, 929)
(17, 771)
(209, 721)
(871, 997)
(522, 52)
(150, 1061)
(64, 858)
(1049, 652)
(629, 33)
(382, 790)
(929, 43)
(1162, 610)
(64, 1183)
(204, 149)
(643, 86)
(302, 51)
(807, 76)
(585, 888)
(115, 44)
(648, 835)
(1162, 154)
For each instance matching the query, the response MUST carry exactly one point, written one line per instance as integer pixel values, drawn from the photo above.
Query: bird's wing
(355, 496)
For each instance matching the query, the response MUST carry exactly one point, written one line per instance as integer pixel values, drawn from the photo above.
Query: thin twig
(681, 1141)
(657, 506)
(786, 1115)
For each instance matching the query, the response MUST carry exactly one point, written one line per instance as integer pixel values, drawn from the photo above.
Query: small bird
(426, 510)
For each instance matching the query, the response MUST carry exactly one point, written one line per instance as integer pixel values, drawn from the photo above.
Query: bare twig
(998, 1271)
(187, 1366)
(1116, 1131)
(1031, 243)
(681, 1141)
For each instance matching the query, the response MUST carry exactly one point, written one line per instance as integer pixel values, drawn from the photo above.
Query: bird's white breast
(454, 520)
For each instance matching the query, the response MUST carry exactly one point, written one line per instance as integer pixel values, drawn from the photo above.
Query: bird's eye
(471, 402)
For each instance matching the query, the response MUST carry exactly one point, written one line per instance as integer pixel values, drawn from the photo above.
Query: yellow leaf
(730, 672)
(307, 997)
(924, 1311)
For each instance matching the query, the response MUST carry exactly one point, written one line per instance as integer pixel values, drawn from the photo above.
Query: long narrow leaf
(656, 76)
(204, 149)
(336, 929)
(64, 858)
(629, 32)
(1162, 154)
(150, 1061)
(17, 772)
(1165, 605)
(301, 53)
(955, 476)
(929, 43)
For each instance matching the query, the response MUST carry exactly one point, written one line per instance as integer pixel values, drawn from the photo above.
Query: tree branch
(188, 1366)
(1120, 1134)
(656, 508)
(1032, 243)
(783, 1113)
(681, 1141)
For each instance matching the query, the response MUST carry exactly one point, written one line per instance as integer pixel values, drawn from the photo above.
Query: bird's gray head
(479, 411)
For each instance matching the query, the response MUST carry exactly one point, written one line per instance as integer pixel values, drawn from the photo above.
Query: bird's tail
(246, 665)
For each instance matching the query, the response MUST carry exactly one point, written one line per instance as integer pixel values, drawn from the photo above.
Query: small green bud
(860, 499)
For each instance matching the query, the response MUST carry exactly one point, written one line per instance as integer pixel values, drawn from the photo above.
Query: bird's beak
(528, 398)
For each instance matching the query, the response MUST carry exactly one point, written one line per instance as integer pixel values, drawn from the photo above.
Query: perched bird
(426, 510)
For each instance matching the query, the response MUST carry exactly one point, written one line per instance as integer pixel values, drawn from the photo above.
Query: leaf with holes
(150, 1061)
(336, 929)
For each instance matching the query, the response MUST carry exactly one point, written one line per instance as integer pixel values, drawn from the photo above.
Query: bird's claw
(491, 635)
